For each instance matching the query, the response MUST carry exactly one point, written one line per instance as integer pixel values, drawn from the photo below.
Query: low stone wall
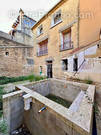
(42, 87)
(63, 89)
(13, 110)
(48, 122)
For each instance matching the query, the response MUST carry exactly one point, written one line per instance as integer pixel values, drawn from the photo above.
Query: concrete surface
(13, 110)
(56, 119)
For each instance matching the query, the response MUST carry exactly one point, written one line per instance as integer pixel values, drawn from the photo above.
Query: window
(75, 64)
(28, 52)
(43, 49)
(65, 64)
(56, 18)
(66, 40)
(30, 61)
(40, 30)
(7, 53)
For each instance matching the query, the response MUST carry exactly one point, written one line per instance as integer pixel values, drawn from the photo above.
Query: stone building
(21, 28)
(16, 48)
(69, 28)
(16, 59)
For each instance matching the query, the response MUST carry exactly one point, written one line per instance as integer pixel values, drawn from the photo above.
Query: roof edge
(61, 1)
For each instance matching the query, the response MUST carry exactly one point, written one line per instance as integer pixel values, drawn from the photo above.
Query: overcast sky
(9, 10)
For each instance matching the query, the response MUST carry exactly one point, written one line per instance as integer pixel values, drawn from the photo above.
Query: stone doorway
(49, 69)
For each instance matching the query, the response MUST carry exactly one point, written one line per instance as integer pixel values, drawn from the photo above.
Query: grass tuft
(88, 81)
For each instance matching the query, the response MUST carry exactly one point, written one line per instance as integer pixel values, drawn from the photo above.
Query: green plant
(1, 102)
(3, 127)
(88, 81)
(96, 108)
(1, 113)
(5, 80)
(31, 78)
(35, 78)
(59, 100)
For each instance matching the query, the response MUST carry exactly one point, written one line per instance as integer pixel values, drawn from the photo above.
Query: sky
(9, 10)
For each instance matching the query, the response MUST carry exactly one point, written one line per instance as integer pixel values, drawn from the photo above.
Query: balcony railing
(42, 52)
(66, 46)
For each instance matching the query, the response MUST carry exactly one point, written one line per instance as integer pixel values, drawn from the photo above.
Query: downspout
(78, 18)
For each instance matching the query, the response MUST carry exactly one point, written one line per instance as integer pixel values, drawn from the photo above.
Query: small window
(7, 53)
(65, 64)
(28, 52)
(75, 64)
(40, 30)
(56, 18)
(30, 61)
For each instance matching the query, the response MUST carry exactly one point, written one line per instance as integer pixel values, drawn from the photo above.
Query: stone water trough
(42, 116)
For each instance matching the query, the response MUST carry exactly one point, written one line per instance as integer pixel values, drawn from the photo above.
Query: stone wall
(16, 59)
(23, 38)
(19, 37)
(64, 90)
(46, 123)
(13, 110)
(42, 87)
(89, 63)
(56, 119)
(56, 87)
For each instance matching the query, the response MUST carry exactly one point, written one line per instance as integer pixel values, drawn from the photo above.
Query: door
(49, 70)
(75, 66)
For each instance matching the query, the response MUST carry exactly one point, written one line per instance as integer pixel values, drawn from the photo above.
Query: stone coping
(80, 120)
(12, 94)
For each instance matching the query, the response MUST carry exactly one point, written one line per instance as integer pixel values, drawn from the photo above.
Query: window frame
(64, 65)
(38, 30)
(42, 48)
(53, 17)
(68, 32)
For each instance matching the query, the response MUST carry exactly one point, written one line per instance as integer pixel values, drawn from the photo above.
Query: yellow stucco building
(64, 36)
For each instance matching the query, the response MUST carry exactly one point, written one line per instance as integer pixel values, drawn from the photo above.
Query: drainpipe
(78, 12)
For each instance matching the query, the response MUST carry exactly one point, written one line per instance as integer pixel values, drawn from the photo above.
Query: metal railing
(79, 67)
(42, 52)
(66, 46)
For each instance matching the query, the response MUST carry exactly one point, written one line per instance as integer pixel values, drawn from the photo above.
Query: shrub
(35, 78)
(5, 80)
(3, 127)
(31, 78)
